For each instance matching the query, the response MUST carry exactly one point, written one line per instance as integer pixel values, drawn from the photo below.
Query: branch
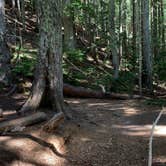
(151, 136)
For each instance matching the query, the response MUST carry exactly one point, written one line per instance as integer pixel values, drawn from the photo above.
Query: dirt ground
(107, 133)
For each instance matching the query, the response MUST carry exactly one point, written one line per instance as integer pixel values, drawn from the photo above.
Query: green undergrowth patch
(156, 102)
(23, 61)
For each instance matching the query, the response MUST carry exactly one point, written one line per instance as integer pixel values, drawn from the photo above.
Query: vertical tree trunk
(162, 27)
(113, 39)
(48, 77)
(69, 37)
(5, 70)
(139, 43)
(146, 45)
(134, 20)
(155, 27)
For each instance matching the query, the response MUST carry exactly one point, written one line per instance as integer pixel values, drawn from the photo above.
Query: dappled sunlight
(131, 111)
(48, 158)
(85, 139)
(73, 101)
(36, 151)
(160, 159)
(141, 130)
(98, 104)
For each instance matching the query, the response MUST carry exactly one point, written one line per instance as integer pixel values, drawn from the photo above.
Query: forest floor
(110, 133)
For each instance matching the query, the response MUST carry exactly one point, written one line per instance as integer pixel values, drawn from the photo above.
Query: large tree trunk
(5, 70)
(48, 76)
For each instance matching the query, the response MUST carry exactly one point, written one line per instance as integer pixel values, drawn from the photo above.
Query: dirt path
(110, 133)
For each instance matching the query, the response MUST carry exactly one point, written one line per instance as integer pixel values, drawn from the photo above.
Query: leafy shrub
(160, 66)
(24, 63)
(125, 82)
(156, 102)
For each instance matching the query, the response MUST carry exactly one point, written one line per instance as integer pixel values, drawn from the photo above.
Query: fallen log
(81, 92)
(23, 121)
(72, 91)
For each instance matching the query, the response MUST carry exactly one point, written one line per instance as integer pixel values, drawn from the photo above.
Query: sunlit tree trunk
(5, 56)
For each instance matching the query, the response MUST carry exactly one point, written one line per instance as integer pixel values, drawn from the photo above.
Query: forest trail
(110, 133)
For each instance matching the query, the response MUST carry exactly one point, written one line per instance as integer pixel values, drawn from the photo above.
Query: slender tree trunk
(113, 39)
(162, 27)
(146, 45)
(5, 56)
(139, 43)
(134, 20)
(155, 28)
(69, 37)
(48, 77)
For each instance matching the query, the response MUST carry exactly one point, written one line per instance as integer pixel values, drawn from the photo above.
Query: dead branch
(23, 121)
(54, 122)
(152, 135)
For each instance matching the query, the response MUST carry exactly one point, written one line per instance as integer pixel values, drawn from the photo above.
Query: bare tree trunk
(146, 45)
(134, 44)
(5, 56)
(113, 39)
(48, 77)
(155, 28)
(162, 26)
(69, 37)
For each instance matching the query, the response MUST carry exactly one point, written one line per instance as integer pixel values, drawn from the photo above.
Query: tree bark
(5, 56)
(69, 37)
(23, 121)
(113, 39)
(146, 45)
(48, 76)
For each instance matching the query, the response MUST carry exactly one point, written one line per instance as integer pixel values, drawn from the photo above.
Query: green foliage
(125, 82)
(24, 62)
(160, 66)
(157, 102)
(75, 55)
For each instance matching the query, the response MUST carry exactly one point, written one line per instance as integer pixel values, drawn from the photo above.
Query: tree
(5, 56)
(155, 27)
(68, 18)
(113, 39)
(48, 81)
(146, 45)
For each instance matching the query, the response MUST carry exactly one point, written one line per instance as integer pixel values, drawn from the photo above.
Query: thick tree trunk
(48, 77)
(5, 70)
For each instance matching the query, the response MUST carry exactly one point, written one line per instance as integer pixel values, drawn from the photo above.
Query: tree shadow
(39, 141)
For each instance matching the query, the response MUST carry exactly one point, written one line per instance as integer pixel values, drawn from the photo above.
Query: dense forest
(64, 63)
